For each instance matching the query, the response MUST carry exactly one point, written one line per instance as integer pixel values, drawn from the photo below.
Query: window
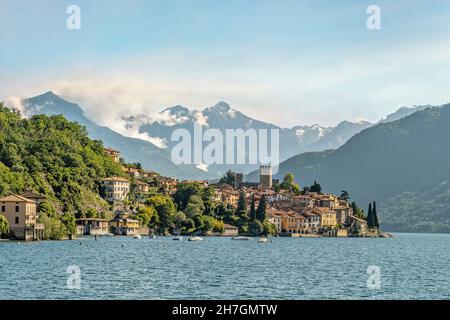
(17, 220)
(3, 208)
(17, 208)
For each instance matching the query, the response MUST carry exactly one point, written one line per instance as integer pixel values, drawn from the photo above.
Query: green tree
(207, 195)
(288, 181)
(195, 206)
(252, 208)
(4, 225)
(185, 190)
(255, 227)
(229, 178)
(269, 229)
(316, 187)
(262, 208)
(344, 195)
(241, 210)
(165, 209)
(375, 216)
(69, 221)
(370, 220)
(54, 228)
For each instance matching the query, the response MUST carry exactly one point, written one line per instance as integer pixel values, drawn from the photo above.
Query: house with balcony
(115, 189)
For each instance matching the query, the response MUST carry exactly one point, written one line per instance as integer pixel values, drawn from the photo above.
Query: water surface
(413, 266)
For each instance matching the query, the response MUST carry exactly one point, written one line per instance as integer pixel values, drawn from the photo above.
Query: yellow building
(123, 226)
(21, 215)
(328, 218)
(342, 233)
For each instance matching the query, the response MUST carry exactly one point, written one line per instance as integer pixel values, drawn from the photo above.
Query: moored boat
(195, 239)
(242, 238)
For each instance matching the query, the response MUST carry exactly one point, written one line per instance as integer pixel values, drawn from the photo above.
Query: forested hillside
(54, 157)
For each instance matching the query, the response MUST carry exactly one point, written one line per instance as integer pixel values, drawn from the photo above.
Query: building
(38, 198)
(133, 172)
(121, 225)
(342, 214)
(327, 217)
(149, 174)
(238, 180)
(358, 227)
(229, 230)
(287, 221)
(342, 233)
(115, 188)
(265, 176)
(21, 215)
(114, 154)
(313, 222)
(92, 226)
(303, 202)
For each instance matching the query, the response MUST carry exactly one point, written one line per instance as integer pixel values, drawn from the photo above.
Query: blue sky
(287, 62)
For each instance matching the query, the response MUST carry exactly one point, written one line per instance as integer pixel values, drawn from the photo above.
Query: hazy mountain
(403, 165)
(221, 116)
(335, 137)
(132, 149)
(402, 112)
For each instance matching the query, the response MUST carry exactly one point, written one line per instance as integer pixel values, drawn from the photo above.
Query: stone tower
(265, 176)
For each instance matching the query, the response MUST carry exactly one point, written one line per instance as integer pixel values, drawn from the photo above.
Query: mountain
(402, 112)
(132, 149)
(221, 116)
(402, 164)
(335, 137)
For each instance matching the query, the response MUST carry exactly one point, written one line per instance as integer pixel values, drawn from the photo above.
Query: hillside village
(146, 203)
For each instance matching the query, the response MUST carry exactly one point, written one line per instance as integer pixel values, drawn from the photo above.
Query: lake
(412, 266)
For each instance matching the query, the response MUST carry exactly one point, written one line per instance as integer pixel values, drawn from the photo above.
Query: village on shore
(140, 204)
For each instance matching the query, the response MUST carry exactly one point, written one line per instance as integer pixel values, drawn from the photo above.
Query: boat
(195, 239)
(138, 236)
(152, 236)
(241, 238)
(262, 239)
(177, 238)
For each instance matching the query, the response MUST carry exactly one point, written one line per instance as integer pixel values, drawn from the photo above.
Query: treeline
(56, 158)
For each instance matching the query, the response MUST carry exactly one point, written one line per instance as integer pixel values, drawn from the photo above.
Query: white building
(115, 188)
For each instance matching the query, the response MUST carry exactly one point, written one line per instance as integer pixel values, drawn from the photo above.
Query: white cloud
(202, 166)
(291, 91)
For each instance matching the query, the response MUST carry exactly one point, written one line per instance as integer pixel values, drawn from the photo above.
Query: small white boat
(177, 238)
(138, 236)
(241, 238)
(152, 236)
(262, 239)
(195, 239)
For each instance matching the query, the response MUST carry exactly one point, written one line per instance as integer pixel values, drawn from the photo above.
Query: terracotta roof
(229, 226)
(32, 194)
(116, 179)
(16, 198)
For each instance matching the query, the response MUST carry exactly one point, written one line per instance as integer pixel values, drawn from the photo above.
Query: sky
(287, 62)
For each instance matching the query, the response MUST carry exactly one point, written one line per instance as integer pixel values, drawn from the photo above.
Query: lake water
(412, 266)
